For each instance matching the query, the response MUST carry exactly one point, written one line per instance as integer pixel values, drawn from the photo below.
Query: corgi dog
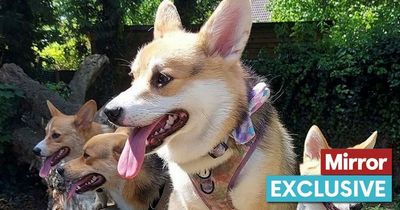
(97, 167)
(189, 91)
(315, 141)
(64, 140)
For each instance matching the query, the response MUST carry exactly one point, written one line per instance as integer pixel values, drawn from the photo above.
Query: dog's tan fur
(101, 156)
(315, 141)
(74, 131)
(212, 85)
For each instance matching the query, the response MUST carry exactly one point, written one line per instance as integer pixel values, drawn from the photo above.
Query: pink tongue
(132, 155)
(45, 169)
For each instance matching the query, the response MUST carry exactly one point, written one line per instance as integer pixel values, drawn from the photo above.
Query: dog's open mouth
(53, 160)
(166, 126)
(87, 183)
(146, 139)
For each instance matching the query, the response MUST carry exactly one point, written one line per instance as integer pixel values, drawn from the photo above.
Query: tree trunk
(88, 71)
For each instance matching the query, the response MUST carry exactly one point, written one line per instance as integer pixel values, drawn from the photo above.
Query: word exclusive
(356, 161)
(347, 175)
(329, 188)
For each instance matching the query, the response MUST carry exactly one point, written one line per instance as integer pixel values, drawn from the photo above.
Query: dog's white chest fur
(183, 187)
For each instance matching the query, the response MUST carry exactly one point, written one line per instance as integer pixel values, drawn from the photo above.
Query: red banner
(356, 161)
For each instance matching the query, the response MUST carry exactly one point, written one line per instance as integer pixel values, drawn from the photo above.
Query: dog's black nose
(358, 206)
(36, 151)
(113, 114)
(60, 170)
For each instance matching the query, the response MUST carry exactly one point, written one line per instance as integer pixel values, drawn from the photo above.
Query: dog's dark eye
(85, 155)
(55, 135)
(161, 79)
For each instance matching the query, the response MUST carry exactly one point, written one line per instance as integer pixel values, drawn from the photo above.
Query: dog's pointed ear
(85, 115)
(167, 19)
(226, 32)
(369, 143)
(315, 141)
(53, 110)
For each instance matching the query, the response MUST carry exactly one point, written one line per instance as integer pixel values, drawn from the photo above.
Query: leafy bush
(59, 87)
(141, 13)
(61, 56)
(347, 82)
(9, 99)
(349, 92)
(24, 25)
(354, 20)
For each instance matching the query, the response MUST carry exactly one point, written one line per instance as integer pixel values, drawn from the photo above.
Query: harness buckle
(218, 150)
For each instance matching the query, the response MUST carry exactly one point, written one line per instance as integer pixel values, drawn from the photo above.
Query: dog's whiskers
(125, 65)
(121, 59)
(278, 94)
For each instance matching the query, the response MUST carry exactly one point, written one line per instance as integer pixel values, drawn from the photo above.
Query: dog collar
(213, 185)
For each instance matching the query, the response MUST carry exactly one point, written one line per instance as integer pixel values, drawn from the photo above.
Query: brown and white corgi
(97, 167)
(315, 141)
(64, 140)
(189, 92)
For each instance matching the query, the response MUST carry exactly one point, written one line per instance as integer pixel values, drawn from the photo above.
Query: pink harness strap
(213, 185)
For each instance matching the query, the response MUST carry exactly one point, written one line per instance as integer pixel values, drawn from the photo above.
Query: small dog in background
(315, 141)
(97, 167)
(64, 140)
